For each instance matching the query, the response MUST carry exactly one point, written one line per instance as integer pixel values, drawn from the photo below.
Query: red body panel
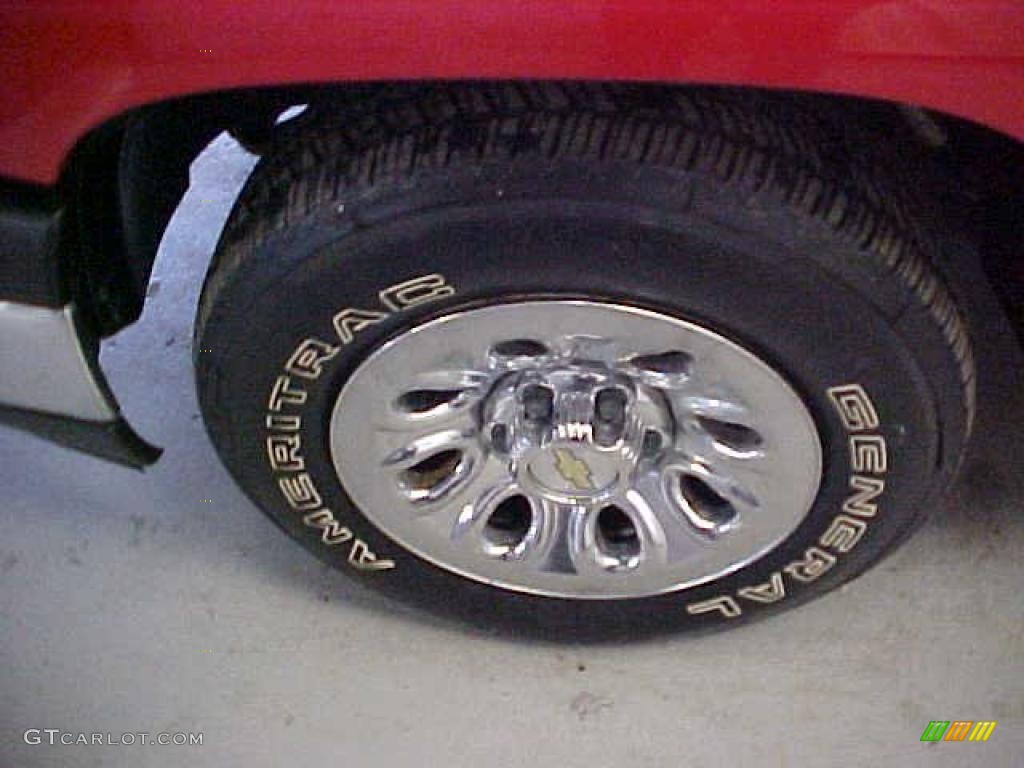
(68, 65)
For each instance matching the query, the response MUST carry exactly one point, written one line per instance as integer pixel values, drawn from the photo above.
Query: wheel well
(120, 187)
(124, 180)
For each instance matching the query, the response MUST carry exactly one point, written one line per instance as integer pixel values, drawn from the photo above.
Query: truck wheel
(585, 362)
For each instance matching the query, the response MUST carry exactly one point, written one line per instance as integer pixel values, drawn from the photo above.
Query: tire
(783, 224)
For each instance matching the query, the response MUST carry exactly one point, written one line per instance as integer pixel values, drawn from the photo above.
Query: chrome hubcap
(575, 448)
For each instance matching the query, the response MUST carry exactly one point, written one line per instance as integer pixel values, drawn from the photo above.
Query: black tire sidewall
(777, 283)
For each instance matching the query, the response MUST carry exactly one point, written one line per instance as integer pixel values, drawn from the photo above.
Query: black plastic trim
(113, 440)
(30, 222)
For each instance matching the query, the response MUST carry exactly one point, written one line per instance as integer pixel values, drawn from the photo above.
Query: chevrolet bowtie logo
(573, 469)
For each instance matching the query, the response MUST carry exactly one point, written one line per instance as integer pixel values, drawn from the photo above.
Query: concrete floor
(166, 602)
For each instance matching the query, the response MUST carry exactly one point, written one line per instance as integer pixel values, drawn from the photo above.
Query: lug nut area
(573, 431)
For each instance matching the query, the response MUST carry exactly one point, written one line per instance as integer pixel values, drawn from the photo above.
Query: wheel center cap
(571, 431)
(573, 470)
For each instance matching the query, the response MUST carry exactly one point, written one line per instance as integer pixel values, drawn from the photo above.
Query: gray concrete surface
(166, 602)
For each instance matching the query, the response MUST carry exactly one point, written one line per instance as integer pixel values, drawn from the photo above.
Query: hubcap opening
(425, 400)
(431, 472)
(513, 348)
(705, 503)
(673, 362)
(736, 437)
(617, 537)
(510, 522)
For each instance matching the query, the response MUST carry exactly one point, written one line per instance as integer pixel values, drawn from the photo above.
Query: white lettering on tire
(869, 461)
(307, 363)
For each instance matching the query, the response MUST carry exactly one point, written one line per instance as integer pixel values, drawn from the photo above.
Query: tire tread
(808, 151)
